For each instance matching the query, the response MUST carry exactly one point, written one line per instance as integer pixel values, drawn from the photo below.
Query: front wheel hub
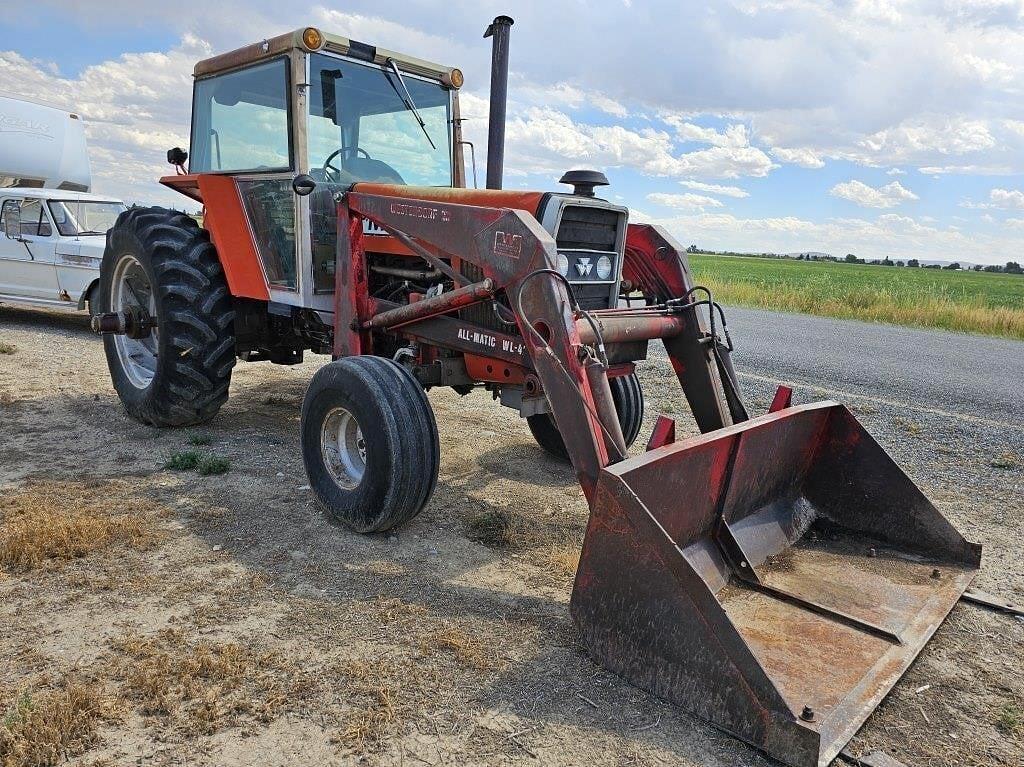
(343, 448)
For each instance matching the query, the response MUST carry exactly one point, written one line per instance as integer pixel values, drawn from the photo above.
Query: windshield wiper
(407, 99)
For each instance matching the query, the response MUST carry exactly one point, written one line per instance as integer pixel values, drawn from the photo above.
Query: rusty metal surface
(783, 574)
(430, 307)
(992, 602)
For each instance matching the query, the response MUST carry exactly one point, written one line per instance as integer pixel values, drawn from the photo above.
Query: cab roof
(290, 41)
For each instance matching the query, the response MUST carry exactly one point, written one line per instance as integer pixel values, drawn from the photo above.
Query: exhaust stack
(499, 31)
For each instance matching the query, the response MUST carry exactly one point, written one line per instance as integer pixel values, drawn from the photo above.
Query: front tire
(161, 261)
(628, 397)
(369, 443)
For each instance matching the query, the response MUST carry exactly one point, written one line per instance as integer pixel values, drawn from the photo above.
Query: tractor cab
(337, 110)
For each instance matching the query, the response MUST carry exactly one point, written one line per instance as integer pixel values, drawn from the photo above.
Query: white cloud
(687, 201)
(725, 191)
(895, 172)
(1010, 199)
(888, 196)
(1014, 223)
(805, 158)
(734, 135)
(546, 140)
(1006, 199)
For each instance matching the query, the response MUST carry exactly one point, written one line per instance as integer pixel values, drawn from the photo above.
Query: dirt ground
(159, 617)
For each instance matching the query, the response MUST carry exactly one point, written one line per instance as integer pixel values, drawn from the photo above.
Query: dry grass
(7, 348)
(376, 691)
(201, 687)
(554, 547)
(64, 520)
(468, 650)
(492, 528)
(1006, 460)
(563, 559)
(45, 727)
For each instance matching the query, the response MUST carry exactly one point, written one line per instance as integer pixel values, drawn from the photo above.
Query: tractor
(774, 575)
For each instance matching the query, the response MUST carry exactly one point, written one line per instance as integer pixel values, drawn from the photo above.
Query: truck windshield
(361, 127)
(78, 217)
(240, 120)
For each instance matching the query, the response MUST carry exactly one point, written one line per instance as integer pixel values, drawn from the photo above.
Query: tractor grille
(585, 235)
(588, 229)
(587, 239)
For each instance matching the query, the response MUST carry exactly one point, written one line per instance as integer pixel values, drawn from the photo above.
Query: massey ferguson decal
(583, 266)
(421, 211)
(508, 245)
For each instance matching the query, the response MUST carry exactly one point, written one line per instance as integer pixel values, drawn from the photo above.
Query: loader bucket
(775, 578)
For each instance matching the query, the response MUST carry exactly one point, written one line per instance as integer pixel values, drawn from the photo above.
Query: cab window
(240, 120)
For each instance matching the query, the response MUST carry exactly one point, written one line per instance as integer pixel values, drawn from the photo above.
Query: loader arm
(513, 251)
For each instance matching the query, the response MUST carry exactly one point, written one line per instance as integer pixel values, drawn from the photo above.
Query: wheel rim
(131, 290)
(343, 448)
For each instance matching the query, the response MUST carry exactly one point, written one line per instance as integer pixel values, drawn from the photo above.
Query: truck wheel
(162, 261)
(369, 442)
(629, 405)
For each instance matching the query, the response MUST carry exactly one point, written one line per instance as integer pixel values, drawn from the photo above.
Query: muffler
(774, 578)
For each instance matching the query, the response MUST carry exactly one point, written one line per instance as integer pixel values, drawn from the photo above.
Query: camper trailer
(42, 146)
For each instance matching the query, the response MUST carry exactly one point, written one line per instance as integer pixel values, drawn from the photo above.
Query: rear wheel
(161, 262)
(629, 405)
(369, 443)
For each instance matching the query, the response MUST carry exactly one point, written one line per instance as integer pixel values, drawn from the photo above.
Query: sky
(884, 128)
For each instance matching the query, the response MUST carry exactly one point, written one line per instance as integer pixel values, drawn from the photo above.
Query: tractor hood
(530, 202)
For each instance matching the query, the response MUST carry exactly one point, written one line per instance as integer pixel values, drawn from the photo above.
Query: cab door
(27, 268)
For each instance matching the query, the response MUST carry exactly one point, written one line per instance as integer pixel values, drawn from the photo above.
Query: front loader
(774, 575)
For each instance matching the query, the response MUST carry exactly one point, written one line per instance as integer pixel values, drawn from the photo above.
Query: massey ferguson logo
(583, 266)
(508, 245)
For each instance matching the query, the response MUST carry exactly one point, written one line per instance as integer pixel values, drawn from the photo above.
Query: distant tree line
(1011, 267)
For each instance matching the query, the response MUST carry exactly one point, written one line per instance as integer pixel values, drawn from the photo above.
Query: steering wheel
(337, 171)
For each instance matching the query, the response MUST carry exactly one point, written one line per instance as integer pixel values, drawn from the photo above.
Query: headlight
(563, 264)
(604, 267)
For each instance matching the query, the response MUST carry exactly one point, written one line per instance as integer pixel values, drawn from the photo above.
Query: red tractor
(735, 573)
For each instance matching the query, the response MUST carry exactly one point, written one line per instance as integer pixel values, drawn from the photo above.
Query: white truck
(52, 230)
(51, 245)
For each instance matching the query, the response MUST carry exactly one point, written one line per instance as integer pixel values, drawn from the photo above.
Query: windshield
(240, 120)
(361, 128)
(75, 217)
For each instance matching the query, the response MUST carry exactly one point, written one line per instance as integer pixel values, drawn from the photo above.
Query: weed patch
(213, 464)
(45, 727)
(186, 460)
(65, 520)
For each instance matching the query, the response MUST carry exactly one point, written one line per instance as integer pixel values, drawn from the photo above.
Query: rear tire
(179, 375)
(629, 405)
(381, 477)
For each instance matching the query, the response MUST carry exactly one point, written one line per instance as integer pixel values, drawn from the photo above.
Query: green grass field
(972, 302)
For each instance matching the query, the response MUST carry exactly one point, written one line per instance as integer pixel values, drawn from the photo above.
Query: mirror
(303, 184)
(12, 219)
